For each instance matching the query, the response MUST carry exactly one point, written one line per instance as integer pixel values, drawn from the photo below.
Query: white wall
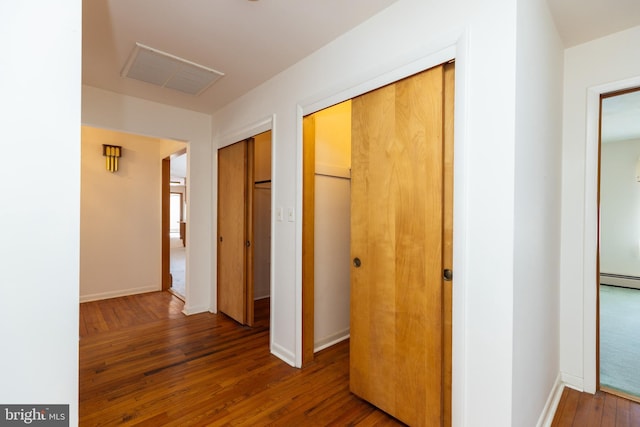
(332, 263)
(40, 209)
(109, 110)
(408, 36)
(536, 283)
(120, 215)
(620, 208)
(600, 65)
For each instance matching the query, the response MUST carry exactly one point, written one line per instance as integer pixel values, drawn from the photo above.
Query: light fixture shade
(112, 154)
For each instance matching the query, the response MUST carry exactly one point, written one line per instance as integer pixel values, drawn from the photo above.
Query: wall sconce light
(112, 153)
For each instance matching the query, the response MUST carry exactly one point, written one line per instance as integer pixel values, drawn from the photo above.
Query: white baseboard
(283, 354)
(118, 293)
(332, 171)
(572, 381)
(188, 311)
(550, 407)
(330, 340)
(620, 280)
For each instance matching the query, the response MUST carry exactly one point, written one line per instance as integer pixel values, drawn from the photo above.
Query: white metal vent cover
(163, 69)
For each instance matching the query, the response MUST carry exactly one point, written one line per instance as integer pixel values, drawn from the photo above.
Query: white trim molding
(119, 293)
(330, 340)
(550, 407)
(283, 354)
(245, 132)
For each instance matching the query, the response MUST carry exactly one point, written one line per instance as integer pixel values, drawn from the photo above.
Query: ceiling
(249, 41)
(252, 41)
(579, 21)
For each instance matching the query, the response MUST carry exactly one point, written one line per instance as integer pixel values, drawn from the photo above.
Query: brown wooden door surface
(165, 216)
(232, 260)
(396, 348)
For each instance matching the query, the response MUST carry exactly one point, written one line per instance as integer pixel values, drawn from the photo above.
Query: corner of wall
(550, 407)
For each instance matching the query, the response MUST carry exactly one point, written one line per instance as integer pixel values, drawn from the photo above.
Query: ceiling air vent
(166, 70)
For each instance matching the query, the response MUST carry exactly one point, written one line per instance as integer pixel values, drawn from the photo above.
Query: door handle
(447, 274)
(356, 262)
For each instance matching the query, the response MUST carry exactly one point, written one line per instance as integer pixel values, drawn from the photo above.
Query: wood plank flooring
(143, 363)
(578, 409)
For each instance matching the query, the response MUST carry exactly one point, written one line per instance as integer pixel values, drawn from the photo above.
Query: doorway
(244, 228)
(619, 244)
(384, 152)
(174, 223)
(121, 214)
(327, 140)
(177, 250)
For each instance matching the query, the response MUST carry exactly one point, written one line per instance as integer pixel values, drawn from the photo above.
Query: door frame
(601, 92)
(456, 49)
(249, 131)
(591, 206)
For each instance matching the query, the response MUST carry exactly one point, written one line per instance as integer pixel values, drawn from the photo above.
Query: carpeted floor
(620, 338)
(177, 266)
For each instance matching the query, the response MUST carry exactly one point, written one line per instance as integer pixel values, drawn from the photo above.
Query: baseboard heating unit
(620, 280)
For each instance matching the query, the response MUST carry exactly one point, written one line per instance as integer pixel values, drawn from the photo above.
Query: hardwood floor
(142, 362)
(578, 409)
